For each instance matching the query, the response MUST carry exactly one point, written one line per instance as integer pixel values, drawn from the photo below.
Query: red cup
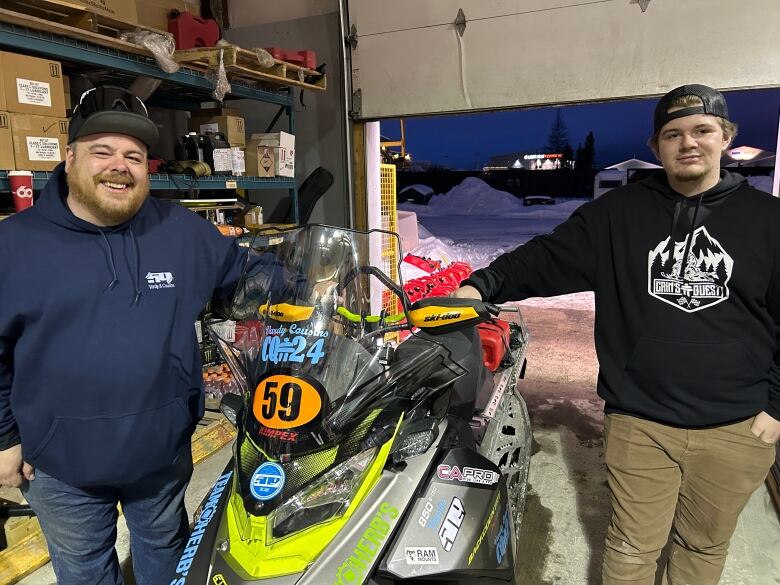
(21, 189)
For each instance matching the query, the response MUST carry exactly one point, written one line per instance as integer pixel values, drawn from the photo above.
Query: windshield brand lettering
(469, 474)
(209, 508)
(485, 528)
(353, 570)
(441, 317)
(289, 436)
(296, 330)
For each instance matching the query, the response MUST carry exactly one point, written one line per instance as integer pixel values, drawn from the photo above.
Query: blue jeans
(80, 525)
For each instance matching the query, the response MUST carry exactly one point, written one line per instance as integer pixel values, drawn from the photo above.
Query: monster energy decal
(704, 282)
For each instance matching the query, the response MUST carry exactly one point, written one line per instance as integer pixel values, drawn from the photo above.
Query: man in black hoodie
(686, 275)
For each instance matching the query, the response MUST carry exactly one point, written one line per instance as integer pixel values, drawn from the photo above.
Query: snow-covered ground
(475, 223)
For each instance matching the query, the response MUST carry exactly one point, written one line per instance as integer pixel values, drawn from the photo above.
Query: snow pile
(472, 197)
(475, 223)
(764, 183)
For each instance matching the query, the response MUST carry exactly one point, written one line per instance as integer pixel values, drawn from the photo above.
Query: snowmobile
(373, 444)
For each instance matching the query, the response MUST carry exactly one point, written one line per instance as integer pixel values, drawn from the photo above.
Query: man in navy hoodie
(684, 266)
(100, 372)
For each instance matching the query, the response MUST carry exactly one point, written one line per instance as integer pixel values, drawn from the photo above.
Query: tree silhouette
(721, 275)
(558, 139)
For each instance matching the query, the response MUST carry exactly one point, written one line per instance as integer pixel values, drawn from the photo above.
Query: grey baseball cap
(112, 110)
(713, 103)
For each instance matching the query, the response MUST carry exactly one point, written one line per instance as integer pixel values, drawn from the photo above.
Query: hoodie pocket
(696, 368)
(113, 450)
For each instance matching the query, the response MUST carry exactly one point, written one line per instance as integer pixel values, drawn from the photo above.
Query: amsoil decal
(704, 282)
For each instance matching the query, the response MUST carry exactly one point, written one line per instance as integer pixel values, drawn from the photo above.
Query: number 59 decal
(285, 402)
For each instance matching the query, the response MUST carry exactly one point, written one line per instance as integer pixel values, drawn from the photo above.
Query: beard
(690, 175)
(109, 208)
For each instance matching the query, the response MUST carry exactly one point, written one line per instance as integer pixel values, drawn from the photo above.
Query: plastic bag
(219, 76)
(264, 58)
(161, 45)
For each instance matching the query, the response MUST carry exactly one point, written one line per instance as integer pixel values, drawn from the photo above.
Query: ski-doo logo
(469, 474)
(441, 317)
(354, 569)
(157, 280)
(693, 283)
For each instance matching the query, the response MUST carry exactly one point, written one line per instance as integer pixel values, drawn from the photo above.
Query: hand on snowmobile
(466, 292)
(766, 428)
(13, 470)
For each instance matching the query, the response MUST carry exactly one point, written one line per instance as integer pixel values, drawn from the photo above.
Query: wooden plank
(33, 22)
(30, 552)
(72, 14)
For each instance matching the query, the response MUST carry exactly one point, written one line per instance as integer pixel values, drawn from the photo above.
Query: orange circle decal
(285, 402)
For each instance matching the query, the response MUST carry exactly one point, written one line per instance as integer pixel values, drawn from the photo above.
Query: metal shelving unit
(18, 38)
(182, 182)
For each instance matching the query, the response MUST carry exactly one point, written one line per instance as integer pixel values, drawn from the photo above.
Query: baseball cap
(112, 110)
(713, 103)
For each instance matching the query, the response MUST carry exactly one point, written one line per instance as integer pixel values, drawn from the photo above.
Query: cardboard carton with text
(39, 141)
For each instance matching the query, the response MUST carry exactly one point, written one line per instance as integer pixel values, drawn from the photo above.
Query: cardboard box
(31, 86)
(231, 126)
(154, 13)
(121, 10)
(6, 143)
(283, 150)
(260, 160)
(39, 141)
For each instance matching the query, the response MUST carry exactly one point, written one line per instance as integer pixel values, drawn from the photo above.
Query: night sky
(620, 128)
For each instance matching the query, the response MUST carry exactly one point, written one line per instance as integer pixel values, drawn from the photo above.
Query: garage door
(410, 57)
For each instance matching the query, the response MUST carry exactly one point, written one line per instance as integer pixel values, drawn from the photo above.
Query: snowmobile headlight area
(326, 498)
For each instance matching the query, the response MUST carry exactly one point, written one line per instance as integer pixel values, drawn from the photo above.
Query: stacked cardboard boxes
(33, 127)
(271, 155)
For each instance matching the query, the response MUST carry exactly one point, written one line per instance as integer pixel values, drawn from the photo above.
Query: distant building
(531, 161)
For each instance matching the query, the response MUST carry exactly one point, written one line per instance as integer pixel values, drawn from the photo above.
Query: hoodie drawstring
(688, 239)
(115, 280)
(136, 285)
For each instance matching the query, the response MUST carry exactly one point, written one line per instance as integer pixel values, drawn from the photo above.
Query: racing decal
(436, 316)
(467, 474)
(706, 274)
(421, 555)
(267, 481)
(296, 349)
(353, 570)
(449, 529)
(191, 548)
(285, 402)
(219, 579)
(502, 540)
(485, 528)
(288, 436)
(285, 312)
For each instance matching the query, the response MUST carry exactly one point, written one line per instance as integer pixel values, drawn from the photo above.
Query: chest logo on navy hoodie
(706, 273)
(158, 280)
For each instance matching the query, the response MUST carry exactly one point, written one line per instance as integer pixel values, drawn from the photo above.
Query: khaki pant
(694, 482)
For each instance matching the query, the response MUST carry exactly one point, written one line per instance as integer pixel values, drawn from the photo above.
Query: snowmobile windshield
(317, 315)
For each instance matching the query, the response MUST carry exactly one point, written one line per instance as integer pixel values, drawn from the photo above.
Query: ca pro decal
(286, 402)
(267, 481)
(467, 474)
(448, 531)
(209, 508)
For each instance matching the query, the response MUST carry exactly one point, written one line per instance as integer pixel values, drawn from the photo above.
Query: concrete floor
(561, 540)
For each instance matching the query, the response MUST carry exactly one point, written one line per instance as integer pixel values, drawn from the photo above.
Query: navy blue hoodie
(100, 372)
(687, 296)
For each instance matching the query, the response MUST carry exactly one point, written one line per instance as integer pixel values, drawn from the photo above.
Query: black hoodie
(687, 339)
